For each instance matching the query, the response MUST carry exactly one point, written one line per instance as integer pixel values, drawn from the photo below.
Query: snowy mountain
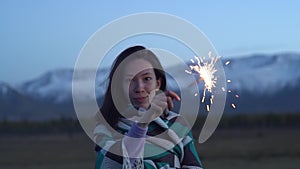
(264, 74)
(264, 83)
(52, 86)
(56, 86)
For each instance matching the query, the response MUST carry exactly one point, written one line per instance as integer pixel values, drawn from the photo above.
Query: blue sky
(38, 36)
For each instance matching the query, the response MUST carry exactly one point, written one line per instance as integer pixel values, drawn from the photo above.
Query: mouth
(140, 99)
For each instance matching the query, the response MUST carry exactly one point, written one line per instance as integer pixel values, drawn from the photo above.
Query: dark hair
(108, 108)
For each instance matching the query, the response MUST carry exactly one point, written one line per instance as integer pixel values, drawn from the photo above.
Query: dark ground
(230, 148)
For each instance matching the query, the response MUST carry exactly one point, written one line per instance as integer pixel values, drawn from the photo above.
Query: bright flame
(206, 71)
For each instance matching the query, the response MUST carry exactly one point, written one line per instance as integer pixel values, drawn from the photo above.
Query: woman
(136, 104)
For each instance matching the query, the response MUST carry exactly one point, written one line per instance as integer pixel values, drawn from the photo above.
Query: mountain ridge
(265, 84)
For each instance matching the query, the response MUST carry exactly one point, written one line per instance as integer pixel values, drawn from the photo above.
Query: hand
(170, 96)
(158, 106)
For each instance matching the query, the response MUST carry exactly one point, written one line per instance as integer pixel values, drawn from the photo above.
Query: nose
(139, 86)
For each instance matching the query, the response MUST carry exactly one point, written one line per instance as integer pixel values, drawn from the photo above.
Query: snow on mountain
(264, 74)
(85, 77)
(56, 86)
(265, 83)
(259, 74)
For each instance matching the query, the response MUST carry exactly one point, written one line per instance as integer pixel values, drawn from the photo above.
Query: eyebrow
(131, 75)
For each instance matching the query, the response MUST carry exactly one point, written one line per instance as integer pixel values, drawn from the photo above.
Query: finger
(170, 103)
(173, 95)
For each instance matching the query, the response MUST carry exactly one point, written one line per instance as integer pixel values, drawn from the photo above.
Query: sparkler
(206, 71)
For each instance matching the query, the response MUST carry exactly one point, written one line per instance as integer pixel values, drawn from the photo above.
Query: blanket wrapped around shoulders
(169, 144)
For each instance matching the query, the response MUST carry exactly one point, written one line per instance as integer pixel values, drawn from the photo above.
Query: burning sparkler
(206, 71)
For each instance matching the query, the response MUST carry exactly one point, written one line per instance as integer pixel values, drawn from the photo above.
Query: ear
(158, 83)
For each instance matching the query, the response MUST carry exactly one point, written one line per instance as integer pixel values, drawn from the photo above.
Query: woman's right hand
(158, 106)
(170, 97)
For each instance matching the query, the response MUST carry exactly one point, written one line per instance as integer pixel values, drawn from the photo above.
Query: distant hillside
(264, 83)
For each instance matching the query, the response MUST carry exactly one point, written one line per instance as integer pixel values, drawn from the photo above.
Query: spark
(229, 81)
(212, 99)
(207, 107)
(233, 105)
(189, 72)
(228, 62)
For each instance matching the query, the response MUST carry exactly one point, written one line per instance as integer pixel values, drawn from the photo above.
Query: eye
(148, 78)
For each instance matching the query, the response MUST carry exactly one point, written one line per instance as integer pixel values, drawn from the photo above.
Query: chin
(145, 106)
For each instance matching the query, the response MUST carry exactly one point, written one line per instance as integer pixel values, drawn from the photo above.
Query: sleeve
(134, 142)
(129, 148)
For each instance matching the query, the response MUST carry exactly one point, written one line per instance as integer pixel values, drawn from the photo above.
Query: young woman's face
(140, 82)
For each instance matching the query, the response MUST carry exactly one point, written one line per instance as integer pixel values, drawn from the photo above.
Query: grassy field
(252, 148)
(226, 149)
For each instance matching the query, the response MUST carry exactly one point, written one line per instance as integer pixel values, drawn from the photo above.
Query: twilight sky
(38, 36)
